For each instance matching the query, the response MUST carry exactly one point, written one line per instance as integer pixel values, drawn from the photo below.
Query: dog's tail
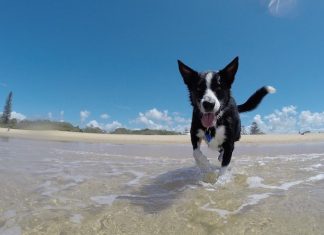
(255, 99)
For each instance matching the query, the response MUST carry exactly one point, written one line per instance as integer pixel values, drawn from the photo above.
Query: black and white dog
(215, 116)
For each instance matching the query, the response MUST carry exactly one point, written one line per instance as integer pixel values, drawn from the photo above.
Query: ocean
(85, 188)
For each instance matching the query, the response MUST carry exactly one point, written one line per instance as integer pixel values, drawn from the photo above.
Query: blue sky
(78, 60)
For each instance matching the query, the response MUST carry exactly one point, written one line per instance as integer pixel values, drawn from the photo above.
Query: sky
(114, 63)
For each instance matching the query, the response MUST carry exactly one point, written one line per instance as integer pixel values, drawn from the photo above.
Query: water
(82, 188)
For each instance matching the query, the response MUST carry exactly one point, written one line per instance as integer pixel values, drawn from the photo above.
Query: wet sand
(51, 187)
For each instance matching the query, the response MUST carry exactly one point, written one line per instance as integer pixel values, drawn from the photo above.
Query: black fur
(253, 101)
(220, 85)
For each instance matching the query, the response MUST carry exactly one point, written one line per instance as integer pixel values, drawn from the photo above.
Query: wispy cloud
(84, 114)
(107, 127)
(162, 120)
(148, 123)
(94, 124)
(104, 116)
(18, 116)
(113, 126)
(282, 7)
(62, 116)
(158, 115)
(311, 121)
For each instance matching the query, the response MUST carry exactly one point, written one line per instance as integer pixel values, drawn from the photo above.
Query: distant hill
(93, 130)
(43, 125)
(144, 132)
(49, 125)
(66, 126)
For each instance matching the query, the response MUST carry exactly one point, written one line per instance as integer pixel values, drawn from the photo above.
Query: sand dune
(151, 139)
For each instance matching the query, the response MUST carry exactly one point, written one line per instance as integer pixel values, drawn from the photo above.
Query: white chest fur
(219, 138)
(216, 141)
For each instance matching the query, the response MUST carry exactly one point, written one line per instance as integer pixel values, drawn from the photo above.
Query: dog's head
(209, 91)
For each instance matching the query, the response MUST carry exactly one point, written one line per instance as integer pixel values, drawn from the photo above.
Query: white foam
(138, 176)
(261, 163)
(75, 178)
(207, 186)
(76, 218)
(256, 182)
(50, 170)
(104, 200)
(293, 157)
(253, 199)
(316, 178)
(88, 153)
(226, 178)
(313, 167)
(286, 186)
(222, 213)
(48, 188)
(222, 180)
(316, 165)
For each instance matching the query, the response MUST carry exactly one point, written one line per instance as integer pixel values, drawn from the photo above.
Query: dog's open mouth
(208, 120)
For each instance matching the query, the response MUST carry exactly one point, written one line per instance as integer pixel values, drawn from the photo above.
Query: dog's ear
(228, 73)
(188, 74)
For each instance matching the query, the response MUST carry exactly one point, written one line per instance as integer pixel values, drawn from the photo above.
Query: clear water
(82, 188)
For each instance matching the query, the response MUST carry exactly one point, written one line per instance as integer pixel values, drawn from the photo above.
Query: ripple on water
(104, 200)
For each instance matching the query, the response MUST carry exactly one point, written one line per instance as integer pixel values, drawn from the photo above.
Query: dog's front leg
(226, 155)
(201, 160)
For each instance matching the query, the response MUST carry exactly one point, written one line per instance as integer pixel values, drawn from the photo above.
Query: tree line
(8, 122)
(6, 114)
(254, 130)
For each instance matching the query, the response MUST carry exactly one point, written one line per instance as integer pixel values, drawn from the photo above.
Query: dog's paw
(209, 177)
(222, 171)
(202, 161)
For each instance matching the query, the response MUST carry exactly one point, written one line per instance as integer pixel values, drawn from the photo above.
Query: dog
(215, 116)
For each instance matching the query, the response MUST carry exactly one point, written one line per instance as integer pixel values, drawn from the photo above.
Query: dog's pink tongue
(208, 120)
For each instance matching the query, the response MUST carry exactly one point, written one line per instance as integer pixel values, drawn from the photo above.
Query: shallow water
(82, 188)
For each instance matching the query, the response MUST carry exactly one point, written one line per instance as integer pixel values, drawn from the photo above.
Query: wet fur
(219, 83)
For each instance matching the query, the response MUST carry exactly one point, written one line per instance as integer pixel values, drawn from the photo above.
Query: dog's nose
(208, 106)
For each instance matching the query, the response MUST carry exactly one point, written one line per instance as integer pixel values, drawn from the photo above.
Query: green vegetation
(49, 125)
(244, 131)
(5, 118)
(43, 125)
(8, 122)
(65, 126)
(255, 130)
(144, 132)
(93, 130)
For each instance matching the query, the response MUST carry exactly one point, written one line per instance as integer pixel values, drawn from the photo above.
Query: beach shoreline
(151, 139)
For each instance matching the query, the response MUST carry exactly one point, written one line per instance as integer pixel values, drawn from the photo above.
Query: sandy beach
(151, 139)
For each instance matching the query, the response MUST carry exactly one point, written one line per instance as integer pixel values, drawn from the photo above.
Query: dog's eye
(215, 87)
(200, 89)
